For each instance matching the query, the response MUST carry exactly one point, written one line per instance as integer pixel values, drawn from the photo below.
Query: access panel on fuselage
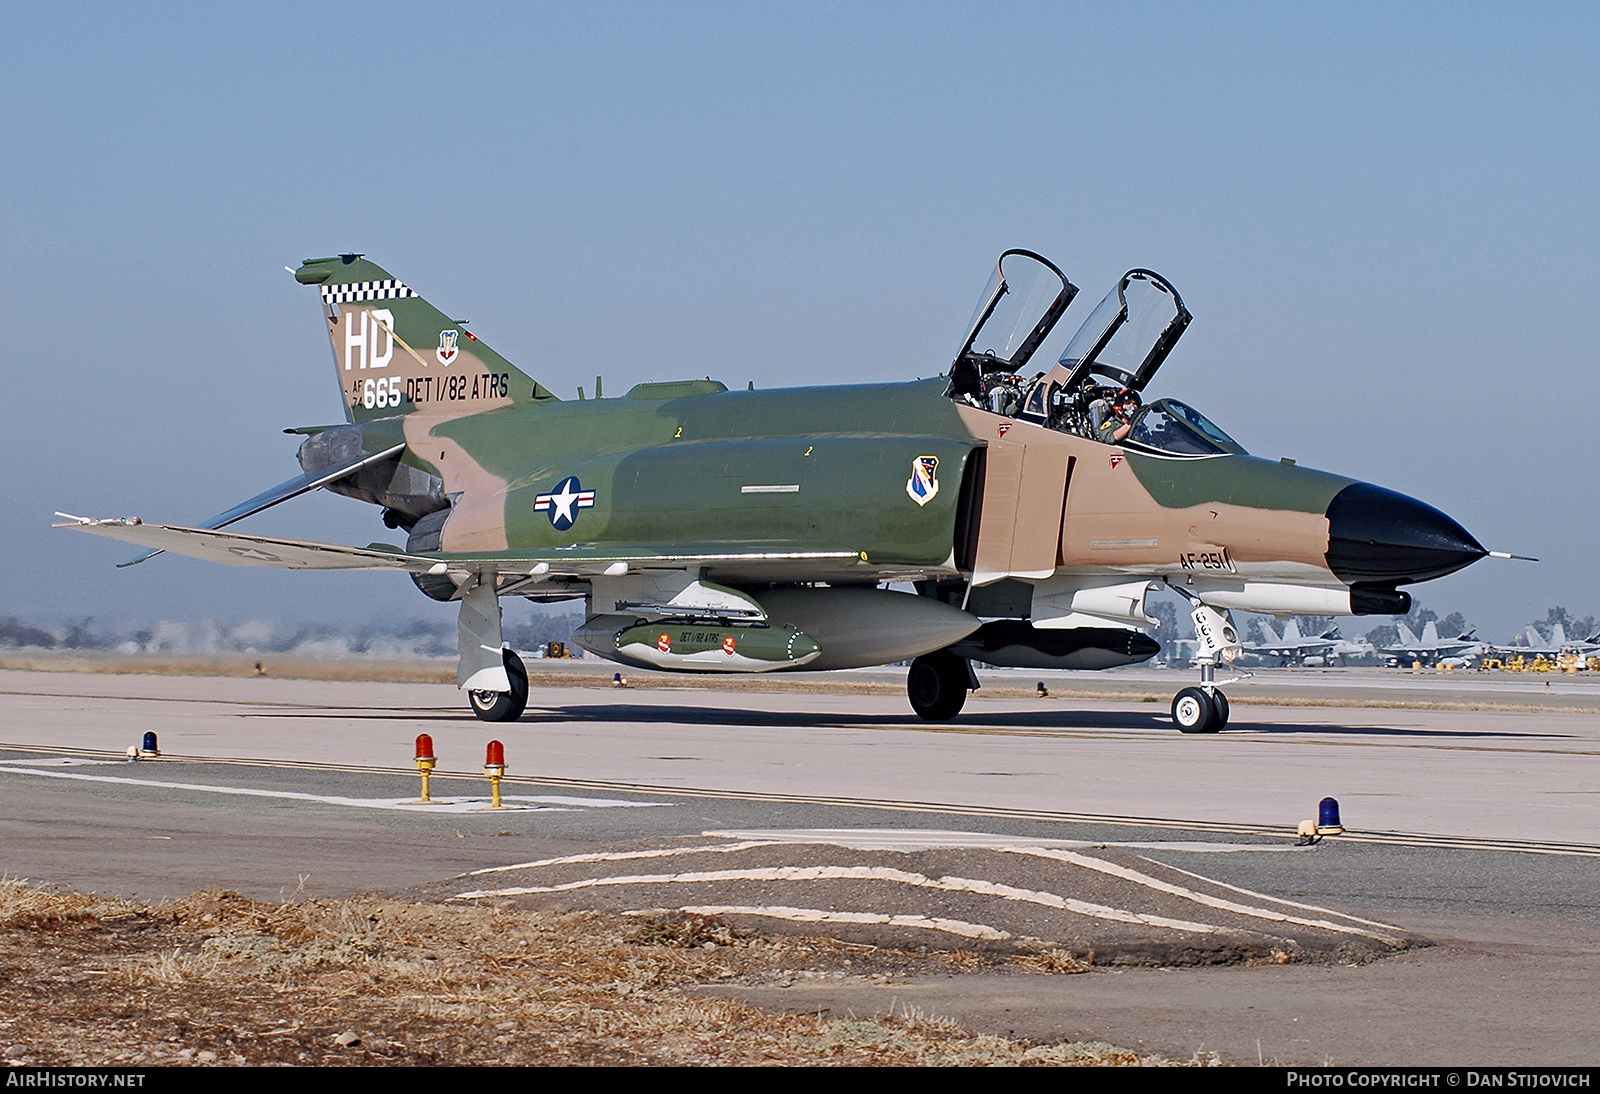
(1024, 495)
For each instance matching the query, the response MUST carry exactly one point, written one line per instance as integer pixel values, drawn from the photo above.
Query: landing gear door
(1025, 297)
(1127, 336)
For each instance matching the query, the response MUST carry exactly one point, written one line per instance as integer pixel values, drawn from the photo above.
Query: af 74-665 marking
(714, 530)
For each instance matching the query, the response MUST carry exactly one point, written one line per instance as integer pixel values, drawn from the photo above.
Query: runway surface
(1084, 824)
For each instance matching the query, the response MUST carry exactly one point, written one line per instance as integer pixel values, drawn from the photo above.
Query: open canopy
(1022, 303)
(1128, 335)
(1122, 344)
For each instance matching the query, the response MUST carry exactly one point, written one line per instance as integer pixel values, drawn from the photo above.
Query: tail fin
(1406, 637)
(1430, 634)
(1291, 632)
(395, 353)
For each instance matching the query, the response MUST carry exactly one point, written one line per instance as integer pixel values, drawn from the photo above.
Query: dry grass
(219, 978)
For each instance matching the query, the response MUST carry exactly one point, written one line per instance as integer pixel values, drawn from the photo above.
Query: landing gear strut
(938, 685)
(1204, 709)
(503, 706)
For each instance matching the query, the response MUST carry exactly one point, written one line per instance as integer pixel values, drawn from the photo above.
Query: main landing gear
(503, 706)
(494, 678)
(938, 684)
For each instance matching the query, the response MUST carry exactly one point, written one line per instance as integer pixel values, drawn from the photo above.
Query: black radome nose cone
(1380, 536)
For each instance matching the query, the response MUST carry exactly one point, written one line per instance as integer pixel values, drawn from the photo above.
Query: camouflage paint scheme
(668, 464)
(505, 489)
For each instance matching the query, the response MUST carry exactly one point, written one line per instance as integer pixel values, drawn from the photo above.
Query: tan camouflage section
(1054, 499)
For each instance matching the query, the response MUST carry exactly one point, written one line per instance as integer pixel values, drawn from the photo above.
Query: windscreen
(1170, 426)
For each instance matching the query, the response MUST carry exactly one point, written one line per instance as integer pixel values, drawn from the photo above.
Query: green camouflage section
(1236, 480)
(813, 466)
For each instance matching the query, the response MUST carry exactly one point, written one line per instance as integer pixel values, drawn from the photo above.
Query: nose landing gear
(1204, 709)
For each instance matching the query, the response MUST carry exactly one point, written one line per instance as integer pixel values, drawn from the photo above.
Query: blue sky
(1383, 218)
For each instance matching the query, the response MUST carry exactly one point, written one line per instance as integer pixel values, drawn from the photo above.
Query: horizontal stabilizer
(300, 484)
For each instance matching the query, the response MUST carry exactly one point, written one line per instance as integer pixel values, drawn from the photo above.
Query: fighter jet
(1290, 648)
(715, 530)
(1430, 649)
(1530, 641)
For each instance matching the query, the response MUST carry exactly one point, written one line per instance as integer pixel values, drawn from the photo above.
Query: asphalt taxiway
(1082, 823)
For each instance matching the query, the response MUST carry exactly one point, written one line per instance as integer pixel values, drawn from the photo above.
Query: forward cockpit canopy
(1118, 348)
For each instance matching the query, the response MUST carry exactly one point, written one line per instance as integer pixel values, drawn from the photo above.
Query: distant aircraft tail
(1406, 637)
(1430, 634)
(1291, 632)
(395, 353)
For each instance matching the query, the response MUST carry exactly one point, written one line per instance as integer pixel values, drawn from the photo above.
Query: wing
(239, 549)
(300, 484)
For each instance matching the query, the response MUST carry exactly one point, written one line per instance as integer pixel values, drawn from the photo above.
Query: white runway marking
(544, 803)
(1100, 865)
(1276, 899)
(925, 839)
(623, 856)
(860, 873)
(817, 915)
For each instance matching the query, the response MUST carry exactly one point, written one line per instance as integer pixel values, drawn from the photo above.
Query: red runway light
(496, 756)
(424, 747)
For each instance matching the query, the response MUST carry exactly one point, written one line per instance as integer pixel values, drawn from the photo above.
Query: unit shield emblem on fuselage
(923, 485)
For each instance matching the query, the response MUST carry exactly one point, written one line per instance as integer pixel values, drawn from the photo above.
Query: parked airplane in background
(1430, 648)
(709, 530)
(1291, 649)
(1534, 644)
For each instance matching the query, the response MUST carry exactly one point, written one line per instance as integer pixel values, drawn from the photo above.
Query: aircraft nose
(1381, 536)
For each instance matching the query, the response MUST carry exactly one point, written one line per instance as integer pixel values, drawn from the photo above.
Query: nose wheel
(1202, 709)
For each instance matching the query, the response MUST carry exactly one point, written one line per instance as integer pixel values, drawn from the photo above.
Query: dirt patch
(217, 978)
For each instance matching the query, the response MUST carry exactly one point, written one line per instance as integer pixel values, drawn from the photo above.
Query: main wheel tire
(1220, 701)
(503, 706)
(1193, 711)
(937, 686)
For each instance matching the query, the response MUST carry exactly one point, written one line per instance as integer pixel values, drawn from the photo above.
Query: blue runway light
(1328, 814)
(149, 744)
